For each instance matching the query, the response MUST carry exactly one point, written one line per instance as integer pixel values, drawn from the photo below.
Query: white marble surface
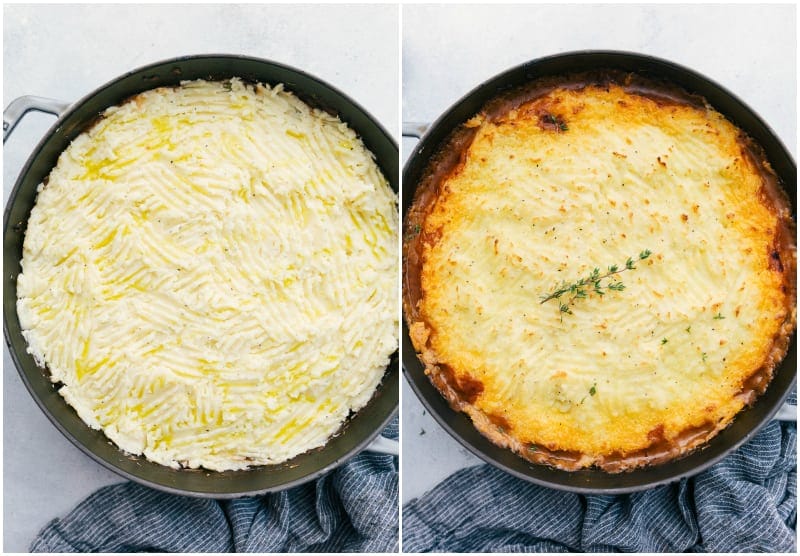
(448, 50)
(66, 52)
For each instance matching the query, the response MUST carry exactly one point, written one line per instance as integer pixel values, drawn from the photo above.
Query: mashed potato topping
(629, 368)
(210, 272)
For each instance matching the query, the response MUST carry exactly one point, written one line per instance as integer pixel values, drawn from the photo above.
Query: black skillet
(360, 430)
(746, 424)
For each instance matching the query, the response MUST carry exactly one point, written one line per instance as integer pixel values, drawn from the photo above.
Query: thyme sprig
(580, 289)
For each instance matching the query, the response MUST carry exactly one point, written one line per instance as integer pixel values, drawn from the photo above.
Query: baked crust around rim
(581, 175)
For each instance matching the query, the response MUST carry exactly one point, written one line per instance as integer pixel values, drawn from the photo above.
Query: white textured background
(66, 52)
(449, 50)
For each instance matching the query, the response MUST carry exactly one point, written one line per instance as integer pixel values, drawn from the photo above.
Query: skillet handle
(415, 129)
(787, 412)
(20, 106)
(383, 445)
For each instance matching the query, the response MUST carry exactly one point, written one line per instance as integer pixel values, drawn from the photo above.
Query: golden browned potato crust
(600, 272)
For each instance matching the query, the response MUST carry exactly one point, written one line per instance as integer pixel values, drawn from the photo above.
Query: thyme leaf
(415, 231)
(556, 121)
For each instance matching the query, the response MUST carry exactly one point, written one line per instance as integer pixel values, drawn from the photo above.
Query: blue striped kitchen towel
(351, 509)
(745, 503)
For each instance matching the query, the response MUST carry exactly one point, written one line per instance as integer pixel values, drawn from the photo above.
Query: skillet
(359, 431)
(594, 481)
